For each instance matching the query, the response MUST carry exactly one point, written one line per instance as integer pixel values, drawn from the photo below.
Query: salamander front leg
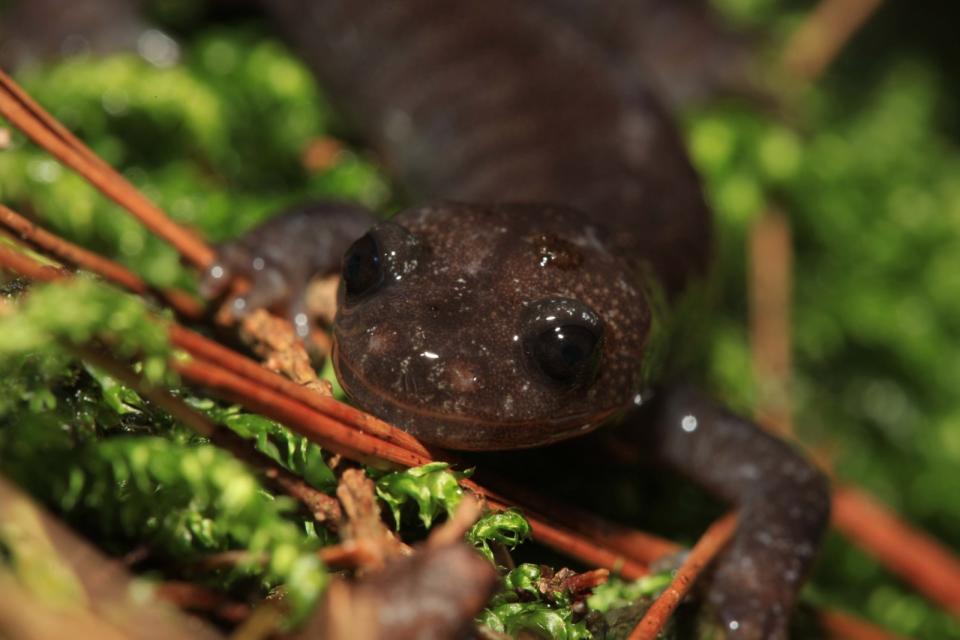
(782, 498)
(281, 257)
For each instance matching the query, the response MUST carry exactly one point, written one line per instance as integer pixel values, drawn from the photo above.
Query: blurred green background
(865, 164)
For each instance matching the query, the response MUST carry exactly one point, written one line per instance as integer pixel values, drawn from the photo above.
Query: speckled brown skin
(681, 48)
(453, 327)
(784, 504)
(552, 179)
(488, 102)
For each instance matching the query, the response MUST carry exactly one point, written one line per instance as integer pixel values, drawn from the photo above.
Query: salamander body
(526, 299)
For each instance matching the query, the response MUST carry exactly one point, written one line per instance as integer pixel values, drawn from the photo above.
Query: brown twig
(824, 34)
(349, 555)
(564, 539)
(586, 581)
(109, 270)
(771, 264)
(213, 352)
(700, 556)
(317, 502)
(328, 433)
(913, 555)
(639, 546)
(843, 626)
(193, 597)
(44, 130)
(184, 338)
(16, 262)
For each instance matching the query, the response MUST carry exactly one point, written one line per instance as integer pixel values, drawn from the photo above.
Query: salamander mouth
(456, 431)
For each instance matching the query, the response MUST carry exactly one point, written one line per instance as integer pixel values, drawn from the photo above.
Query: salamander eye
(386, 254)
(564, 341)
(362, 267)
(567, 354)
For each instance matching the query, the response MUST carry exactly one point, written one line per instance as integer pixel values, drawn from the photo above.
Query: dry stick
(587, 581)
(911, 554)
(28, 267)
(639, 546)
(40, 127)
(76, 256)
(347, 555)
(561, 538)
(215, 353)
(771, 264)
(193, 597)
(193, 342)
(289, 483)
(700, 556)
(38, 113)
(843, 626)
(818, 41)
(328, 433)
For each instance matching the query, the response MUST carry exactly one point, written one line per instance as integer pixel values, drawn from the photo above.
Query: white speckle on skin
(749, 471)
(302, 324)
(689, 424)
(399, 125)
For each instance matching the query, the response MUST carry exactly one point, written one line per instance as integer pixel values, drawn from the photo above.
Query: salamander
(527, 298)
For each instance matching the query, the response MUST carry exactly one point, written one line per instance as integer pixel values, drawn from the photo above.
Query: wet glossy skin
(523, 303)
(443, 347)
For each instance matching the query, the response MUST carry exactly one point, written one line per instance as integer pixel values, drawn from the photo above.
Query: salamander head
(490, 327)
